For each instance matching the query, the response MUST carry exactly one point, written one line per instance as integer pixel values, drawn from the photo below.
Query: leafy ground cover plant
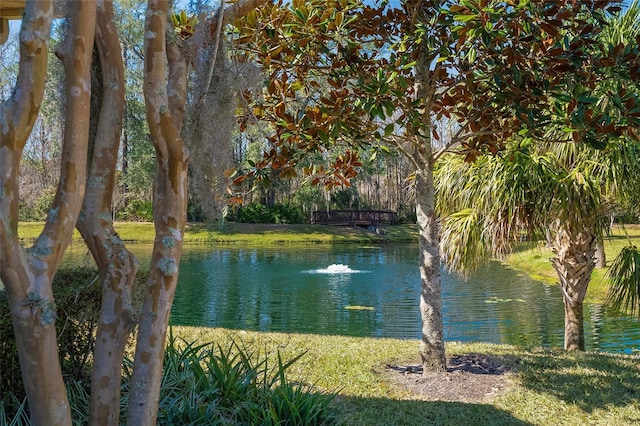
(212, 384)
(208, 384)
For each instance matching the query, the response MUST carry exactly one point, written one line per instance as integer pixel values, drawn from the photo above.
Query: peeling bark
(165, 103)
(35, 333)
(28, 274)
(117, 265)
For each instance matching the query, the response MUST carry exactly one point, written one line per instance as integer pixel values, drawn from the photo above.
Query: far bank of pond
(252, 233)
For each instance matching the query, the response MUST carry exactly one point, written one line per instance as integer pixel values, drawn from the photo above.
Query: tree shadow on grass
(589, 380)
(379, 411)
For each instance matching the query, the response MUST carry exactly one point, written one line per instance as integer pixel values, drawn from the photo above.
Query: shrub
(253, 213)
(206, 384)
(407, 214)
(137, 211)
(345, 199)
(75, 327)
(195, 212)
(39, 209)
(286, 213)
(258, 213)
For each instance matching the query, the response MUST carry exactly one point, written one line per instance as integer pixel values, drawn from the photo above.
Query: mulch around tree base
(469, 378)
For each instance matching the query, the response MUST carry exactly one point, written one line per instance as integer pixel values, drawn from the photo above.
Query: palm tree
(624, 273)
(559, 192)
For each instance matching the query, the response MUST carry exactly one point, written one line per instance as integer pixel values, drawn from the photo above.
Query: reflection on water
(373, 292)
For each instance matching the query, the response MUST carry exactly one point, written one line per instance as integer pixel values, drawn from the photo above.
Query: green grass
(550, 387)
(254, 234)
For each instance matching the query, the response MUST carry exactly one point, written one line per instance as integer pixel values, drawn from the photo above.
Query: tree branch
(240, 9)
(77, 55)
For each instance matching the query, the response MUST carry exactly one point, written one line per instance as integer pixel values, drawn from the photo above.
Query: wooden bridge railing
(354, 217)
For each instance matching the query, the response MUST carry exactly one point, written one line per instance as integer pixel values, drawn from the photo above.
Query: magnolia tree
(495, 70)
(85, 198)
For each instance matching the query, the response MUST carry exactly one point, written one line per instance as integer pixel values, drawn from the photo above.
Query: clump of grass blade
(207, 384)
(13, 412)
(79, 396)
(295, 403)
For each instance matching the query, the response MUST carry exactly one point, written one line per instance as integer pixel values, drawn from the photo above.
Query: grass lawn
(249, 233)
(549, 387)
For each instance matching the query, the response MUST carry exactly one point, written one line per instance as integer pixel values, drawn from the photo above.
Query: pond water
(373, 291)
(368, 291)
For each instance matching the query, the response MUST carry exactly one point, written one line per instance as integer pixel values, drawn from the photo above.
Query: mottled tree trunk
(28, 274)
(165, 101)
(165, 90)
(29, 292)
(432, 349)
(33, 316)
(574, 261)
(117, 265)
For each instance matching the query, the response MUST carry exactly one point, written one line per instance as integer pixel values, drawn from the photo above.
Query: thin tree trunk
(29, 296)
(117, 265)
(165, 100)
(601, 257)
(164, 114)
(28, 275)
(432, 350)
(574, 262)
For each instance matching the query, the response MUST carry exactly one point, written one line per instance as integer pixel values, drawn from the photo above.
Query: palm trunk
(574, 262)
(573, 326)
(432, 343)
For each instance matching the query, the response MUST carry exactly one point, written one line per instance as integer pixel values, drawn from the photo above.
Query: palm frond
(624, 26)
(463, 245)
(624, 273)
